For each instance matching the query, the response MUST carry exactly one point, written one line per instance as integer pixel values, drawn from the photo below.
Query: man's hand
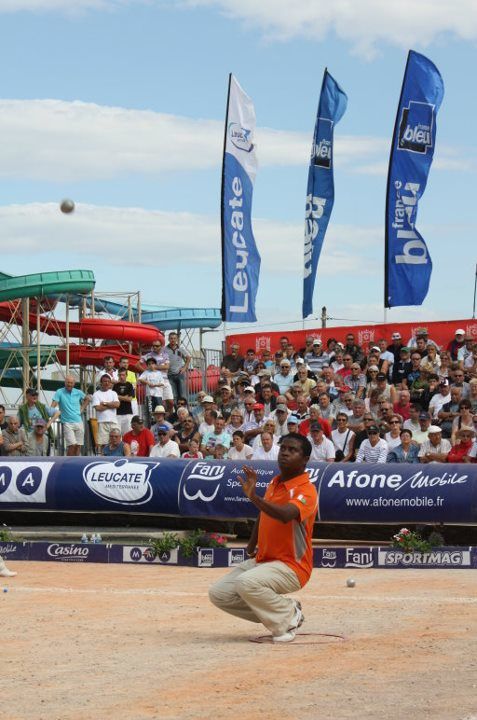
(250, 481)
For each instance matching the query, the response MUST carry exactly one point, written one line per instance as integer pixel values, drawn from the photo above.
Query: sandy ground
(94, 642)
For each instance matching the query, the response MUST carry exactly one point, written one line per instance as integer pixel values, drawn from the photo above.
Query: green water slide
(47, 283)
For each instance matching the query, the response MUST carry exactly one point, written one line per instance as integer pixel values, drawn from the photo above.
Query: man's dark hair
(2, 407)
(123, 357)
(306, 447)
(214, 414)
(108, 357)
(238, 433)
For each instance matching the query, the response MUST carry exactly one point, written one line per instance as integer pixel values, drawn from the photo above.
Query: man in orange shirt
(280, 550)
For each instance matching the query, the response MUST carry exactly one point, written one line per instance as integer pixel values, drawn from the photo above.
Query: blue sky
(120, 105)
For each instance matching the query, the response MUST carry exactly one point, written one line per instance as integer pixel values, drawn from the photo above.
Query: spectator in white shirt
(323, 449)
(165, 448)
(239, 450)
(435, 448)
(343, 439)
(269, 449)
(105, 402)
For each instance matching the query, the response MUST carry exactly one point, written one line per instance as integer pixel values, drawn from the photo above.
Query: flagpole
(222, 195)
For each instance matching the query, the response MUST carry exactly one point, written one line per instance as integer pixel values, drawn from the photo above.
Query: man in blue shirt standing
(71, 403)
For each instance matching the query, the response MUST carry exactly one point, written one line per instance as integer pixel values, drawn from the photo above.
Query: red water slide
(89, 328)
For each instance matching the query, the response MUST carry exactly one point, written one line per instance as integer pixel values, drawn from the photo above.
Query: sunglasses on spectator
(394, 422)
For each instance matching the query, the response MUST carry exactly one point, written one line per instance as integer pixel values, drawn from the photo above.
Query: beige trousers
(254, 591)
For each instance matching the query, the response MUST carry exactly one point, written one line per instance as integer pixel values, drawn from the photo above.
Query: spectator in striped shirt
(373, 449)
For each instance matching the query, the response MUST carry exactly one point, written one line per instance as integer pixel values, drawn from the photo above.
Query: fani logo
(240, 137)
(415, 128)
(359, 557)
(203, 482)
(122, 482)
(321, 149)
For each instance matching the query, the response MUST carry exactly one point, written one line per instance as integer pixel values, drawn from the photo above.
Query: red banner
(365, 335)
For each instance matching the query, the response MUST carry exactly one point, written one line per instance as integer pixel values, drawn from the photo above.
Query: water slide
(52, 288)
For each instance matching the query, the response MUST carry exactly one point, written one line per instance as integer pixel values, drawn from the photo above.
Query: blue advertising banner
(358, 493)
(408, 265)
(320, 193)
(240, 257)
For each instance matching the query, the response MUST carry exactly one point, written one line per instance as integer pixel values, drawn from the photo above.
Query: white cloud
(364, 24)
(60, 141)
(109, 233)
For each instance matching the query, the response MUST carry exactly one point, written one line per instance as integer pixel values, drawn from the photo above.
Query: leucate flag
(240, 257)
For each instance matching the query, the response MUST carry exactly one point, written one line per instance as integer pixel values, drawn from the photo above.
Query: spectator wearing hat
(374, 449)
(406, 451)
(32, 410)
(37, 444)
(14, 438)
(140, 439)
(255, 425)
(116, 447)
(434, 448)
(218, 436)
(293, 423)
(421, 332)
(284, 379)
(106, 402)
(439, 399)
(424, 424)
(457, 343)
(362, 435)
(323, 449)
(265, 378)
(317, 357)
(198, 412)
(402, 367)
(385, 389)
(159, 418)
(165, 447)
(280, 415)
(395, 346)
(227, 402)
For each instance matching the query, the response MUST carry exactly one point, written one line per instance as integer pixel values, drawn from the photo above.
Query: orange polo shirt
(290, 542)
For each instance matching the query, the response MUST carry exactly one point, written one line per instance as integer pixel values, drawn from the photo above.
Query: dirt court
(134, 642)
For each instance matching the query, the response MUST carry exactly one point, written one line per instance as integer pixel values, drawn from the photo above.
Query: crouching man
(280, 550)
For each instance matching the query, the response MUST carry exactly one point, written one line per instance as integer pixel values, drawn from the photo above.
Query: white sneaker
(297, 621)
(5, 572)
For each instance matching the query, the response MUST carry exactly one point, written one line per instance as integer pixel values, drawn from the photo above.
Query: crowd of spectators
(400, 403)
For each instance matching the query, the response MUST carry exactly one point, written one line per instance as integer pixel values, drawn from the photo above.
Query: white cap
(460, 332)
(434, 429)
